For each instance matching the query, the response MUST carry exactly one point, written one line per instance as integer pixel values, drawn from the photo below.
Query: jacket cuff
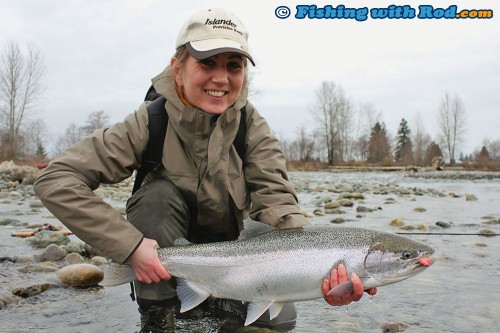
(133, 251)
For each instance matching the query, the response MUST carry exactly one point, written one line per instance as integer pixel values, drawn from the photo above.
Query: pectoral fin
(255, 310)
(190, 294)
(342, 289)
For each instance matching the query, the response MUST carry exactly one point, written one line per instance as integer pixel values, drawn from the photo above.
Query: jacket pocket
(238, 190)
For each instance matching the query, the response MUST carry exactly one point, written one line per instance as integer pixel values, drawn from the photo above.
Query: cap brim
(207, 48)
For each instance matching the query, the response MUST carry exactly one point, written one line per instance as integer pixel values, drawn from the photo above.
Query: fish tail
(117, 274)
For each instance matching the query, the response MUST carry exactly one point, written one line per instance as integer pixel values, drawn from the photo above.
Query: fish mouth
(425, 261)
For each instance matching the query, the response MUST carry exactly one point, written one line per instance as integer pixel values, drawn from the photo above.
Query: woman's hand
(146, 264)
(352, 292)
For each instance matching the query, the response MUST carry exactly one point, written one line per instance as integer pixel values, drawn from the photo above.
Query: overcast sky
(101, 55)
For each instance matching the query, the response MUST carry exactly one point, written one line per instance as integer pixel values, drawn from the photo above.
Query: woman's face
(212, 84)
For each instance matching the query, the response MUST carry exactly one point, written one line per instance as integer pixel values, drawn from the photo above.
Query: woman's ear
(176, 71)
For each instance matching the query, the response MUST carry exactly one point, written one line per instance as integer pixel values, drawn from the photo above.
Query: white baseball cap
(214, 31)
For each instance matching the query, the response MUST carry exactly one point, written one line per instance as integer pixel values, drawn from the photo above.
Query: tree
(95, 120)
(432, 152)
(378, 148)
(20, 89)
(32, 139)
(452, 122)
(483, 158)
(305, 146)
(404, 146)
(333, 111)
(420, 141)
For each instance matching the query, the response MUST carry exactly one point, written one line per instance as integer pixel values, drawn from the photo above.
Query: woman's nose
(220, 75)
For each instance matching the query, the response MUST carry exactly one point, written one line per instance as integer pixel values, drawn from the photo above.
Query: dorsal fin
(253, 228)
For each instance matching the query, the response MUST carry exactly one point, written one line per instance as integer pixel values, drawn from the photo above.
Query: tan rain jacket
(198, 157)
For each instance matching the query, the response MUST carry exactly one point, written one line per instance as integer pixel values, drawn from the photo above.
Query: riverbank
(387, 201)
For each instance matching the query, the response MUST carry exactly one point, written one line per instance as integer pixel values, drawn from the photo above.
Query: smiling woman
(202, 191)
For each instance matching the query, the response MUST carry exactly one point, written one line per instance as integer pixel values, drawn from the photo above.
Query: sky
(102, 54)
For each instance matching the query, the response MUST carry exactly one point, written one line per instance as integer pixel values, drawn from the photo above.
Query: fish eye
(407, 255)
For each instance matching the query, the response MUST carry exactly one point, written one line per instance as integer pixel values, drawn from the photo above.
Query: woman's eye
(207, 62)
(234, 65)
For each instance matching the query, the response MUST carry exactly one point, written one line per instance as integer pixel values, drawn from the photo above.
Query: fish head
(392, 258)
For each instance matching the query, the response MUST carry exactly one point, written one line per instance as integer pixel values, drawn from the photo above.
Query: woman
(204, 189)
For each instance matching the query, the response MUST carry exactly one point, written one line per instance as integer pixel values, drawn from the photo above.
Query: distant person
(203, 190)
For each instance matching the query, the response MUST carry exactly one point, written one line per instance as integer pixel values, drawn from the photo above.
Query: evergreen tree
(378, 148)
(40, 151)
(404, 146)
(433, 151)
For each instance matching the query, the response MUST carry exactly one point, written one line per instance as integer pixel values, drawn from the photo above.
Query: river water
(459, 293)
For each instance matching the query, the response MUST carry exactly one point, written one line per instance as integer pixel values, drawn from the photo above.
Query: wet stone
(98, 260)
(52, 253)
(45, 237)
(43, 267)
(397, 223)
(80, 275)
(74, 258)
(470, 197)
(394, 327)
(73, 246)
(31, 290)
(443, 224)
(7, 299)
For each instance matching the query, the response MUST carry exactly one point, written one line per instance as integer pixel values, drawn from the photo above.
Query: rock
(338, 220)
(80, 275)
(486, 233)
(43, 267)
(419, 210)
(98, 260)
(318, 212)
(36, 204)
(45, 237)
(335, 211)
(52, 253)
(363, 209)
(74, 258)
(8, 221)
(354, 196)
(25, 259)
(397, 223)
(74, 246)
(306, 214)
(407, 227)
(31, 290)
(7, 299)
(332, 205)
(394, 327)
(470, 197)
(345, 202)
(443, 224)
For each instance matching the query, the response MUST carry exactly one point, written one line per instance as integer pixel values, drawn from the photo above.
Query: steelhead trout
(267, 267)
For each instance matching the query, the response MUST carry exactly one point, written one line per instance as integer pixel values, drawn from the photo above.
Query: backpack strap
(239, 140)
(157, 123)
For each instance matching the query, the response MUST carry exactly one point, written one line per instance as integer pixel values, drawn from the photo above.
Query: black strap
(239, 140)
(151, 159)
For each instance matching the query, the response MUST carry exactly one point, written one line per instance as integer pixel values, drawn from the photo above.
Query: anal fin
(255, 310)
